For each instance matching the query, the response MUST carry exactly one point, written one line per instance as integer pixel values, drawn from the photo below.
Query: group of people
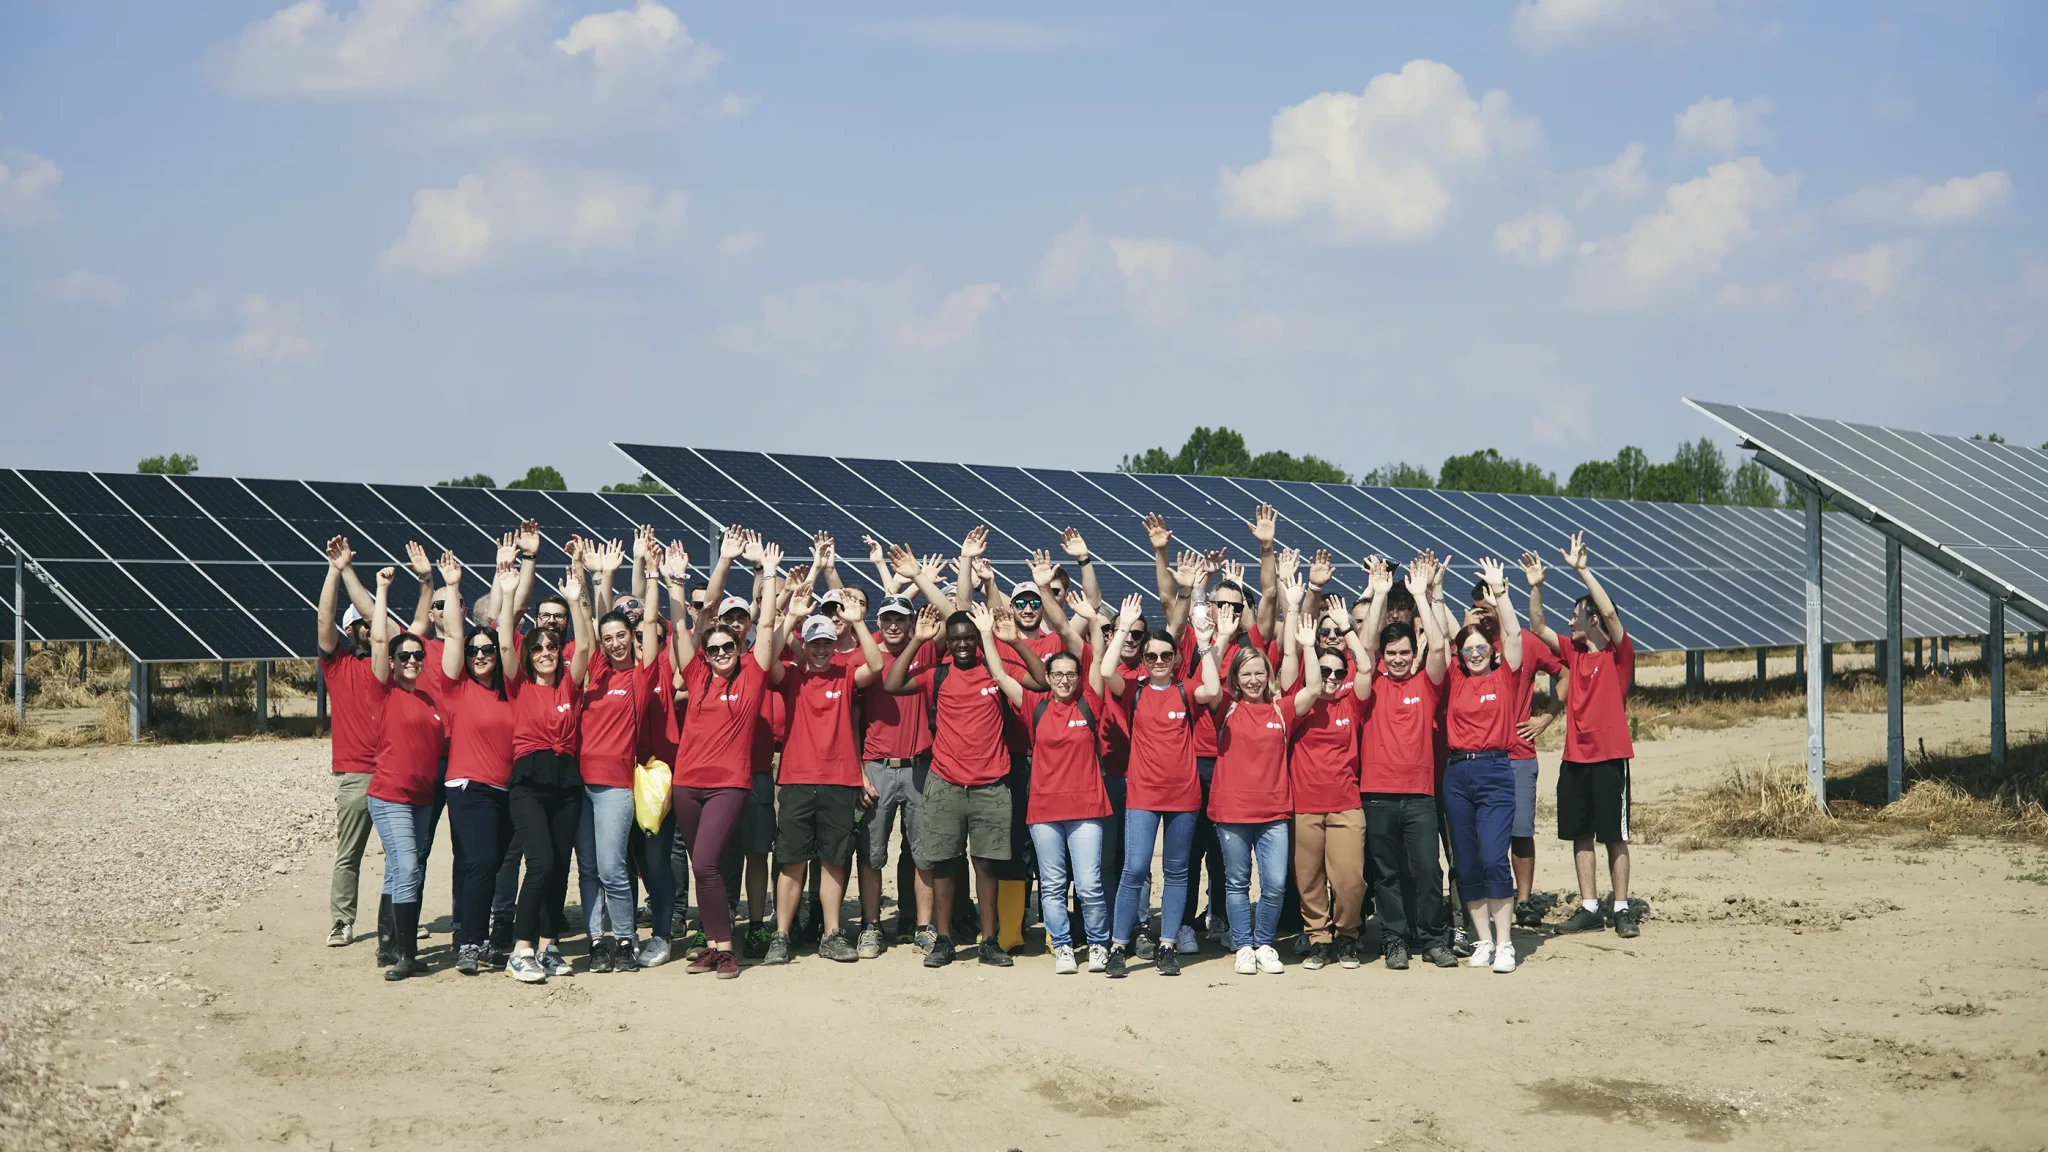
(1328, 756)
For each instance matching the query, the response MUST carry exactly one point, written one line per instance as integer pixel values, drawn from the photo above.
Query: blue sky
(409, 239)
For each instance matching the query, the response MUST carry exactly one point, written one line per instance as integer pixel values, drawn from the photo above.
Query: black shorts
(816, 823)
(1592, 801)
(755, 833)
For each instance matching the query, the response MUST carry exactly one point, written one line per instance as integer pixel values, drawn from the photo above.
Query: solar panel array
(1984, 505)
(1688, 576)
(212, 568)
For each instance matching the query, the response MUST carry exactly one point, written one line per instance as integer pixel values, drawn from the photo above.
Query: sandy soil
(1782, 996)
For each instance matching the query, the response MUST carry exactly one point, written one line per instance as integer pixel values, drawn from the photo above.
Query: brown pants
(1329, 864)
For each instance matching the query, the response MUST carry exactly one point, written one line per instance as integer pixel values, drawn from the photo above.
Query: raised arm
(897, 681)
(1303, 635)
(972, 547)
(646, 552)
(985, 621)
(1610, 620)
(767, 637)
(1428, 636)
(730, 546)
(1161, 539)
(1361, 659)
(1263, 524)
(1211, 687)
(1379, 580)
(508, 577)
(675, 576)
(1533, 571)
(525, 541)
(604, 562)
(1076, 549)
(1321, 569)
(1108, 653)
(338, 560)
(1042, 571)
(1086, 631)
(1292, 649)
(825, 560)
(1496, 577)
(581, 620)
(1093, 671)
(649, 595)
(380, 627)
(853, 609)
(1187, 576)
(453, 655)
(416, 560)
(1007, 633)
(885, 574)
(922, 574)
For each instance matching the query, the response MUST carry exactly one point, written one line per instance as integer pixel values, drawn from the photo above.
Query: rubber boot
(405, 919)
(1010, 899)
(386, 955)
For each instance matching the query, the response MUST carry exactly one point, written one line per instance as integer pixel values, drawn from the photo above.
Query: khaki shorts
(959, 821)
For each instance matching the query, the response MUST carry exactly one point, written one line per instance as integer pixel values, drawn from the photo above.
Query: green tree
(646, 484)
(1993, 438)
(1488, 471)
(1222, 452)
(541, 477)
(1598, 479)
(174, 464)
(1707, 468)
(1284, 466)
(1753, 486)
(480, 480)
(1398, 475)
(1667, 483)
(1632, 462)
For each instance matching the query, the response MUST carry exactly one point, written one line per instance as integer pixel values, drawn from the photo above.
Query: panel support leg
(319, 697)
(1919, 656)
(84, 660)
(1816, 680)
(1799, 662)
(227, 678)
(1893, 671)
(1994, 652)
(138, 698)
(263, 695)
(1762, 658)
(20, 641)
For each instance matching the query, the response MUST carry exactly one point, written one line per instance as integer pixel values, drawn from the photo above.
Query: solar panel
(47, 618)
(245, 518)
(101, 518)
(140, 623)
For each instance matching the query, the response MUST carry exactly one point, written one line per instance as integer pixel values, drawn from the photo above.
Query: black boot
(405, 926)
(501, 939)
(386, 956)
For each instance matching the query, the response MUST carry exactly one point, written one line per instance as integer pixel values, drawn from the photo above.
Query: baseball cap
(835, 596)
(900, 605)
(820, 628)
(350, 618)
(1023, 588)
(732, 602)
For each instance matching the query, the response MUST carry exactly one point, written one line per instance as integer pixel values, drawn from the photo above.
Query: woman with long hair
(1479, 781)
(1329, 818)
(545, 795)
(1163, 790)
(412, 737)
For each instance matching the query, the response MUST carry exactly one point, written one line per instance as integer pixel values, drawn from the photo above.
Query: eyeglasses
(1233, 605)
(411, 656)
(1477, 650)
(1068, 674)
(1159, 657)
(724, 649)
(1331, 673)
(555, 616)
(479, 651)
(1031, 602)
(1329, 631)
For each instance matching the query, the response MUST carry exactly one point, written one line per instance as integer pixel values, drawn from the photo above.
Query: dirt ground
(163, 910)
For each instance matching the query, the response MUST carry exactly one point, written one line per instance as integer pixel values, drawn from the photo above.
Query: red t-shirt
(1115, 721)
(1066, 760)
(1480, 714)
(660, 730)
(609, 726)
(543, 716)
(1162, 771)
(1205, 720)
(719, 729)
(1397, 745)
(411, 740)
(1537, 659)
(969, 748)
(1042, 645)
(479, 732)
(355, 710)
(1596, 713)
(820, 747)
(1325, 761)
(899, 727)
(1250, 785)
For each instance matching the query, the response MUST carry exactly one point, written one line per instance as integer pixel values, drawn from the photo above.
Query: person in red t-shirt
(412, 736)
(820, 776)
(1067, 805)
(1479, 783)
(1537, 660)
(896, 755)
(1592, 782)
(1250, 798)
(1397, 771)
(353, 704)
(1329, 819)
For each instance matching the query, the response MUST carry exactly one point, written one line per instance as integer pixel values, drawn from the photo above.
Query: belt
(902, 762)
(1480, 755)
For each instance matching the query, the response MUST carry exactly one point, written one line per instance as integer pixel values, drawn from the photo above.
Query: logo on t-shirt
(1077, 723)
(1411, 699)
(1488, 696)
(1275, 724)
(1342, 721)
(618, 692)
(1176, 715)
(563, 707)
(833, 695)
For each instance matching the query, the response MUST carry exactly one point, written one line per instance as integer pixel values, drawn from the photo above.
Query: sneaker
(704, 961)
(1581, 920)
(525, 968)
(836, 947)
(1319, 955)
(1219, 932)
(1481, 955)
(653, 954)
(342, 934)
(1397, 955)
(1167, 960)
(1098, 957)
(755, 943)
(554, 963)
(1528, 914)
(1113, 967)
(777, 951)
(1440, 956)
(1063, 961)
(1461, 944)
(600, 955)
(422, 934)
(625, 951)
(940, 953)
(1186, 940)
(468, 958)
(1628, 923)
(1247, 962)
(923, 939)
(693, 944)
(1142, 945)
(1269, 960)
(1504, 959)
(1347, 952)
(725, 964)
(992, 954)
(1302, 944)
(643, 917)
(870, 941)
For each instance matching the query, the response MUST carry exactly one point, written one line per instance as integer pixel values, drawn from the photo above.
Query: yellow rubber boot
(1010, 914)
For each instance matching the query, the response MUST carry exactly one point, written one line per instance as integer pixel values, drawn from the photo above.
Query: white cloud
(954, 324)
(965, 34)
(28, 189)
(383, 46)
(272, 333)
(1163, 279)
(739, 243)
(1073, 256)
(1378, 165)
(484, 217)
(82, 287)
(1875, 270)
(844, 315)
(1722, 126)
(1621, 180)
(1540, 25)
(1537, 238)
(1699, 224)
(648, 39)
(734, 105)
(1954, 201)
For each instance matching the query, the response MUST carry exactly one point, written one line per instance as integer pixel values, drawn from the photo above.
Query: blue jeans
(601, 859)
(1140, 826)
(1070, 849)
(1479, 805)
(1242, 844)
(1113, 848)
(405, 830)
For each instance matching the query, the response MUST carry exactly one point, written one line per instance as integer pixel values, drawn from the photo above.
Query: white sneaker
(1504, 959)
(342, 934)
(526, 969)
(554, 963)
(1247, 962)
(1269, 960)
(1185, 943)
(1482, 954)
(1063, 961)
(1098, 958)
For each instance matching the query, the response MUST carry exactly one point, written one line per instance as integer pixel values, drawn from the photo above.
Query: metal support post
(227, 678)
(84, 660)
(1994, 650)
(263, 695)
(1816, 682)
(20, 641)
(138, 698)
(1894, 672)
(319, 697)
(1762, 656)
(1919, 656)
(1799, 662)
(1827, 661)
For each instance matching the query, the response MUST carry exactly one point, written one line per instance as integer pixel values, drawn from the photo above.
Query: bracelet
(1317, 588)
(1085, 561)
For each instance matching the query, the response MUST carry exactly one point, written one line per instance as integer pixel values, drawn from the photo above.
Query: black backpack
(1087, 714)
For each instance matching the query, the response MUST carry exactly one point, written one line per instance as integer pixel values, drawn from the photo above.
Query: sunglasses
(1027, 602)
(480, 651)
(1329, 631)
(541, 649)
(1233, 605)
(411, 656)
(1477, 650)
(1330, 673)
(1159, 657)
(724, 649)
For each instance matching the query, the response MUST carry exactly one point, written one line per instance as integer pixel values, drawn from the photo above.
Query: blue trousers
(1140, 828)
(1479, 805)
(1243, 844)
(1070, 849)
(601, 859)
(405, 830)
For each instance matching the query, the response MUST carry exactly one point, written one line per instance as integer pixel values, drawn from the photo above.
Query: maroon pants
(705, 818)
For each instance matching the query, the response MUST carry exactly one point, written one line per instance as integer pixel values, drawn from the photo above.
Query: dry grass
(186, 701)
(1654, 710)
(1949, 792)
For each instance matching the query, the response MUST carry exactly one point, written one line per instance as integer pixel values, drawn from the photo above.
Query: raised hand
(1287, 563)
(1041, 567)
(1333, 607)
(416, 559)
(609, 556)
(339, 554)
(1157, 532)
(1073, 545)
(653, 554)
(1305, 635)
(1188, 570)
(1532, 568)
(1438, 570)
(733, 544)
(572, 582)
(800, 603)
(575, 546)
(874, 549)
(983, 570)
(1128, 613)
(1575, 552)
(1379, 576)
(1417, 582)
(1204, 625)
(1294, 591)
(1212, 562)
(905, 562)
(643, 540)
(975, 543)
(821, 550)
(1005, 625)
(527, 538)
(750, 546)
(1264, 520)
(932, 566)
(1321, 569)
(675, 563)
(1078, 606)
(384, 578)
(803, 577)
(930, 622)
(508, 575)
(771, 557)
(1495, 575)
(1227, 621)
(853, 604)
(508, 552)
(451, 570)
(1233, 572)
(984, 619)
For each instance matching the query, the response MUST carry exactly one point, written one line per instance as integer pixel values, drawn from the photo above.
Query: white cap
(732, 602)
(820, 628)
(350, 618)
(1023, 586)
(835, 596)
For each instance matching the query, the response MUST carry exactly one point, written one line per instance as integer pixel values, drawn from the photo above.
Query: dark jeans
(1207, 850)
(1401, 840)
(704, 821)
(652, 857)
(546, 802)
(480, 820)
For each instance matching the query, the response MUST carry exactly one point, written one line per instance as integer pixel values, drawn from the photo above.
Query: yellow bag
(650, 795)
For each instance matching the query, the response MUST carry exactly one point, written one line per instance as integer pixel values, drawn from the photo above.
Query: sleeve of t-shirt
(1625, 659)
(1538, 656)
